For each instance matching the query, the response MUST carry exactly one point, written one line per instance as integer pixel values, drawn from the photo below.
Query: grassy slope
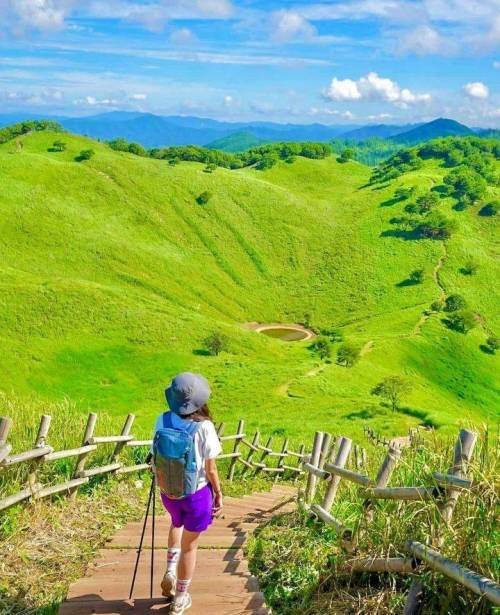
(111, 274)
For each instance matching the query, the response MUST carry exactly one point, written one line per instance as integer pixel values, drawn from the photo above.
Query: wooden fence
(329, 463)
(259, 458)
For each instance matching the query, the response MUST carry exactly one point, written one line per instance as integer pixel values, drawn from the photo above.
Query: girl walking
(185, 447)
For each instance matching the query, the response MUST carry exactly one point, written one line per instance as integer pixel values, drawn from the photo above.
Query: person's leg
(174, 549)
(185, 569)
(174, 545)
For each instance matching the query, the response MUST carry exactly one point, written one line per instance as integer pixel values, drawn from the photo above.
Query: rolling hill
(112, 275)
(432, 130)
(236, 142)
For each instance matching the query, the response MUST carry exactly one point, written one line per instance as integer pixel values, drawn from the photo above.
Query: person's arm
(213, 479)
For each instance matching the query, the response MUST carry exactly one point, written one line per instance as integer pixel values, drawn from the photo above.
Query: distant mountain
(441, 127)
(236, 142)
(383, 131)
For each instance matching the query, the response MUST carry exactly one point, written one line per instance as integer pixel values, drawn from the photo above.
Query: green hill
(441, 127)
(237, 142)
(112, 274)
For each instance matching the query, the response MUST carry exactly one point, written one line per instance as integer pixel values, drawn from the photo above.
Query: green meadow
(112, 275)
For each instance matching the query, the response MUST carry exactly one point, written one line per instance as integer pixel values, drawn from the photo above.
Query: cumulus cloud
(476, 89)
(373, 87)
(288, 25)
(423, 40)
(44, 15)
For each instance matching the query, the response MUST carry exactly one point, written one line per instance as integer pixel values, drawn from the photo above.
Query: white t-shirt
(206, 442)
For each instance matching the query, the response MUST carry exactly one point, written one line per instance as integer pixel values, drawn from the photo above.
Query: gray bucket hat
(187, 393)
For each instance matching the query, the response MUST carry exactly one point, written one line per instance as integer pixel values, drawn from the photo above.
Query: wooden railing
(258, 459)
(328, 463)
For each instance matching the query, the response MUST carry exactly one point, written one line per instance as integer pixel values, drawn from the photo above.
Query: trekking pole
(151, 493)
(153, 485)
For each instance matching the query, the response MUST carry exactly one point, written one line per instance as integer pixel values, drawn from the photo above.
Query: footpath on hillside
(222, 584)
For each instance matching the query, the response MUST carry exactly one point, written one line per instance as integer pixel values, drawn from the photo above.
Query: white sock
(172, 559)
(181, 589)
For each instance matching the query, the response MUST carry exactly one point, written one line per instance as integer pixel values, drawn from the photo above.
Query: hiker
(185, 447)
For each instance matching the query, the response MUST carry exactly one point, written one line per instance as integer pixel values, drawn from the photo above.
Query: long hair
(203, 414)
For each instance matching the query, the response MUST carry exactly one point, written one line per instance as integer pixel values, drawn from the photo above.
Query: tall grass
(302, 566)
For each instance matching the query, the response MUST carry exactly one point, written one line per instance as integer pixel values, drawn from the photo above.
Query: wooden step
(222, 584)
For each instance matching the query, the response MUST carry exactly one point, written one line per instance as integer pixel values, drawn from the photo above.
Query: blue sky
(332, 61)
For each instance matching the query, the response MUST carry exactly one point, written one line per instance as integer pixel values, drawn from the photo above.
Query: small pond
(286, 334)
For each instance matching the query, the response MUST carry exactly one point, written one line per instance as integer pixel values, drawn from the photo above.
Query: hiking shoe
(180, 606)
(168, 585)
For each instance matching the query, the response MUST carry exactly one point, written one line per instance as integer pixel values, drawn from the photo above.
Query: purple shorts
(194, 512)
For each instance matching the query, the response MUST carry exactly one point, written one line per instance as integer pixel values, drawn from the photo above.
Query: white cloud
(496, 65)
(92, 101)
(476, 89)
(380, 117)
(373, 87)
(139, 96)
(43, 15)
(288, 25)
(183, 36)
(423, 40)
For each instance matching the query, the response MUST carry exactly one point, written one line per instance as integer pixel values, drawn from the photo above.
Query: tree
(454, 303)
(204, 197)
(393, 389)
(85, 154)
(493, 343)
(436, 226)
(173, 162)
(470, 267)
(417, 276)
(210, 168)
(322, 347)
(346, 155)
(216, 343)
(427, 202)
(490, 209)
(401, 194)
(466, 182)
(59, 146)
(462, 321)
(348, 354)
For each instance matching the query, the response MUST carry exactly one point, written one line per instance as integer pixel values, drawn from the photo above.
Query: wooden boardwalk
(222, 584)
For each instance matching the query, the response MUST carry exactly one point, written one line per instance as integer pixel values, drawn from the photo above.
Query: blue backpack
(174, 458)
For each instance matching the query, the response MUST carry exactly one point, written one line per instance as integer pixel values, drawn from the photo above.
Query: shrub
(462, 321)
(216, 343)
(393, 389)
(334, 335)
(403, 193)
(346, 155)
(490, 209)
(417, 276)
(454, 302)
(204, 197)
(470, 267)
(436, 226)
(85, 154)
(348, 354)
(437, 306)
(58, 146)
(493, 343)
(210, 168)
(322, 347)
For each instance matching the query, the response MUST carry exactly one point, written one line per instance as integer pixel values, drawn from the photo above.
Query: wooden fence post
(461, 457)
(260, 464)
(251, 452)
(325, 450)
(125, 432)
(5, 427)
(340, 460)
(80, 462)
(281, 460)
(311, 478)
(40, 442)
(237, 443)
(220, 429)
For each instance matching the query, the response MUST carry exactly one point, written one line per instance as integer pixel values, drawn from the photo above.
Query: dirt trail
(442, 291)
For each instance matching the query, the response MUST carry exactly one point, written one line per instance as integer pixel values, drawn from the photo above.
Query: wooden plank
(312, 469)
(401, 565)
(34, 453)
(236, 436)
(139, 443)
(5, 427)
(353, 477)
(100, 470)
(229, 456)
(72, 452)
(344, 448)
(15, 498)
(237, 443)
(311, 477)
(129, 421)
(466, 577)
(109, 439)
(344, 532)
(82, 458)
(44, 492)
(449, 480)
(5, 450)
(136, 468)
(404, 493)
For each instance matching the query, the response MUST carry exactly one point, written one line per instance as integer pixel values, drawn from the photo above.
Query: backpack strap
(167, 420)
